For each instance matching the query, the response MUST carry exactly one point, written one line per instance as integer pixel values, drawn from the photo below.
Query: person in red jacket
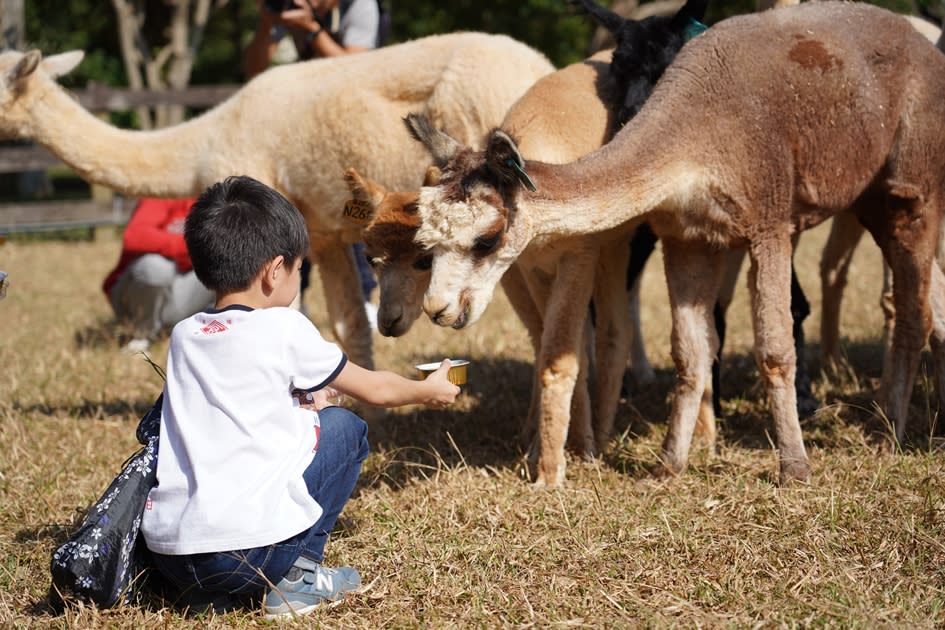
(153, 286)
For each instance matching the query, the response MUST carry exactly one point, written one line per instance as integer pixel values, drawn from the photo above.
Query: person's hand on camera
(301, 17)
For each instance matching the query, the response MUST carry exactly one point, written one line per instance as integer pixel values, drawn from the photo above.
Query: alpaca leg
(612, 337)
(887, 305)
(640, 368)
(642, 246)
(534, 302)
(516, 290)
(769, 282)
(807, 403)
(580, 429)
(910, 251)
(693, 276)
(559, 360)
(732, 268)
(845, 234)
(345, 301)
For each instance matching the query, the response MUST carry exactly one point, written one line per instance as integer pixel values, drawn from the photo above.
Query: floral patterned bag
(103, 562)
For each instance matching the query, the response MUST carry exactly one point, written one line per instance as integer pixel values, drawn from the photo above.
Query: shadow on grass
(847, 402)
(481, 429)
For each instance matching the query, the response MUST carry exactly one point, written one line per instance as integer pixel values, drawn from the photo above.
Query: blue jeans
(330, 478)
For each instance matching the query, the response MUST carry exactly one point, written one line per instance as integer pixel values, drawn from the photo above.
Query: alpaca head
(645, 48)
(468, 221)
(22, 80)
(402, 267)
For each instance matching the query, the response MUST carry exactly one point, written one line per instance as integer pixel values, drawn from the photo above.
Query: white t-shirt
(233, 445)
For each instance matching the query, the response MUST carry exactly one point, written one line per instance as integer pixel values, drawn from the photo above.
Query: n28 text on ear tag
(358, 211)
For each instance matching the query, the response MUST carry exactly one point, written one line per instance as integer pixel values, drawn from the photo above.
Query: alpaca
(834, 266)
(641, 69)
(546, 117)
(765, 125)
(562, 117)
(845, 235)
(335, 113)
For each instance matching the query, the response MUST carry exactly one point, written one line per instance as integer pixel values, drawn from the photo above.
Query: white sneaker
(371, 309)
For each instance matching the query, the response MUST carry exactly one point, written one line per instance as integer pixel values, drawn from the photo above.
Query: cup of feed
(456, 375)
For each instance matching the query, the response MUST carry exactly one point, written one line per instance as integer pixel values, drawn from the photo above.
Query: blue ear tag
(695, 27)
(522, 175)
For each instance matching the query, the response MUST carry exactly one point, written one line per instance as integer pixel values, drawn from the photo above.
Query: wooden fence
(35, 216)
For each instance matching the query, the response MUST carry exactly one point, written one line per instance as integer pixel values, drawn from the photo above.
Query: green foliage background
(552, 26)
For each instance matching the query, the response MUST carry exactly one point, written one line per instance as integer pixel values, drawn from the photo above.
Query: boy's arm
(386, 389)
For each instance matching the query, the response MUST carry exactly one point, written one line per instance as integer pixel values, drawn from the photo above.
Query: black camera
(278, 6)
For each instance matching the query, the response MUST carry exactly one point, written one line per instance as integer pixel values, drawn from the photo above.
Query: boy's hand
(444, 392)
(316, 401)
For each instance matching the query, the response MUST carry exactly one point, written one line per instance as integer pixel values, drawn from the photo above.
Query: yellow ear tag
(358, 211)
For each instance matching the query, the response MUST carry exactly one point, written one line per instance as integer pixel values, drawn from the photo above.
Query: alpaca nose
(389, 322)
(389, 318)
(439, 314)
(435, 309)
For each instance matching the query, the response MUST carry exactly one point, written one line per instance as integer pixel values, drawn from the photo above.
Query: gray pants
(152, 295)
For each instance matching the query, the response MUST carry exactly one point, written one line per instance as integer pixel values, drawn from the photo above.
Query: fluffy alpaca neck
(606, 190)
(152, 163)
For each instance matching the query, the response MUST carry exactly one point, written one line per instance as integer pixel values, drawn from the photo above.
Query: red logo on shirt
(213, 327)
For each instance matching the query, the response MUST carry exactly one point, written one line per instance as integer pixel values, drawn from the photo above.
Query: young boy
(250, 483)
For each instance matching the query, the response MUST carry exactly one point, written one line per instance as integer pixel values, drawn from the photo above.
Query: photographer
(319, 28)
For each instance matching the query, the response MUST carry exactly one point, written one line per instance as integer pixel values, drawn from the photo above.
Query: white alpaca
(296, 128)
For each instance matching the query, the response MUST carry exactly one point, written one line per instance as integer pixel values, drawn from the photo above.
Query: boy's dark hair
(238, 225)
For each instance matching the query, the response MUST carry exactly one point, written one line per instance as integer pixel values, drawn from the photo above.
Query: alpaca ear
(432, 176)
(602, 15)
(63, 63)
(366, 196)
(24, 67)
(505, 161)
(440, 145)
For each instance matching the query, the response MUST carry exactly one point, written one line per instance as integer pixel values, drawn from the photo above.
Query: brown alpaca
(765, 125)
(845, 233)
(296, 128)
(566, 274)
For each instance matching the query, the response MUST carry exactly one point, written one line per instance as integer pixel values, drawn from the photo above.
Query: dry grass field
(442, 526)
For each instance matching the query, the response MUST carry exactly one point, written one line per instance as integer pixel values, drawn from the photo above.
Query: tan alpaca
(296, 128)
(562, 117)
(765, 125)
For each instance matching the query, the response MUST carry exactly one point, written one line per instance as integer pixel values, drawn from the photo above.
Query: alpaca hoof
(664, 470)
(550, 476)
(795, 471)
